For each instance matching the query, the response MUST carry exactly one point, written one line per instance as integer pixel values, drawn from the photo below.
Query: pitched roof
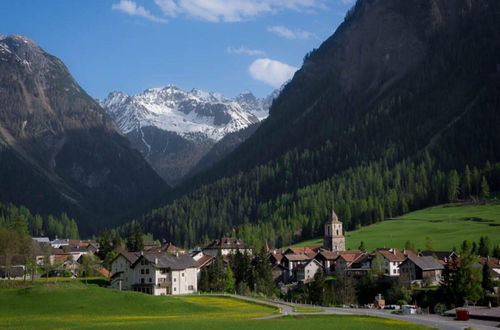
(350, 256)
(228, 243)
(130, 256)
(490, 261)
(204, 260)
(277, 256)
(395, 254)
(297, 257)
(166, 260)
(442, 255)
(425, 263)
(308, 250)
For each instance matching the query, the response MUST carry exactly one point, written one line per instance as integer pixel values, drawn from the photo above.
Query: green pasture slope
(446, 226)
(74, 305)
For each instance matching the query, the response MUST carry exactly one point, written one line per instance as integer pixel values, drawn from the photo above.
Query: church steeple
(333, 239)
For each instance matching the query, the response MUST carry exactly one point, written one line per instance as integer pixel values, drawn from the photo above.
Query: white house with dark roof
(227, 245)
(306, 272)
(155, 273)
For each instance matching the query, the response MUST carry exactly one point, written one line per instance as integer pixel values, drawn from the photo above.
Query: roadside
(431, 320)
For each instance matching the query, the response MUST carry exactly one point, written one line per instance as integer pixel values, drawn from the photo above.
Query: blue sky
(225, 46)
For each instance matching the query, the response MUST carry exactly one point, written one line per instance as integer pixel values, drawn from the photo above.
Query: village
(164, 269)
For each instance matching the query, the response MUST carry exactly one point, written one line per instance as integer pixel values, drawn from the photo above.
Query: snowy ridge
(188, 114)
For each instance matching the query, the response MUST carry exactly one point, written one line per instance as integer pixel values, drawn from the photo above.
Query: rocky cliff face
(174, 128)
(60, 151)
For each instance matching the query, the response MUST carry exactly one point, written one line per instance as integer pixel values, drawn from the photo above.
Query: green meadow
(75, 305)
(446, 226)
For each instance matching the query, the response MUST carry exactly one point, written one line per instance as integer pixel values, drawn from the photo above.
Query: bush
(440, 308)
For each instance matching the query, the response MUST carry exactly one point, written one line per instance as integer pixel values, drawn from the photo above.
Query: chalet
(442, 256)
(155, 273)
(305, 272)
(422, 270)
(345, 261)
(327, 259)
(393, 258)
(227, 245)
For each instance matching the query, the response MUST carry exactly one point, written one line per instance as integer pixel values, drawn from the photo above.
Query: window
(175, 280)
(142, 280)
(182, 274)
(150, 280)
(147, 271)
(142, 271)
(190, 287)
(394, 271)
(175, 289)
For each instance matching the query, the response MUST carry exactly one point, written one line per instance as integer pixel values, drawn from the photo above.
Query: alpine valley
(174, 129)
(59, 150)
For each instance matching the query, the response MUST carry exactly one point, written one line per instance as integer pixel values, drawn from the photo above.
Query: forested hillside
(398, 110)
(21, 221)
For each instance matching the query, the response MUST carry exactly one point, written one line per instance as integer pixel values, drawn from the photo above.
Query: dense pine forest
(371, 136)
(23, 222)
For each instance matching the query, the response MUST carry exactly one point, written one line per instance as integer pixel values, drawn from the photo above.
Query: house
(227, 245)
(423, 270)
(393, 258)
(59, 243)
(327, 259)
(203, 260)
(344, 261)
(155, 273)
(291, 261)
(442, 256)
(121, 275)
(305, 272)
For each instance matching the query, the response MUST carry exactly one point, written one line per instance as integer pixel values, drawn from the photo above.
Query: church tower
(334, 239)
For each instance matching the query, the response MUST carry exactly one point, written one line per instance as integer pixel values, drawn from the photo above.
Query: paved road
(435, 321)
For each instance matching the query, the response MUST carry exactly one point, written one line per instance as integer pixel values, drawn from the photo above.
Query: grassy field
(446, 226)
(305, 309)
(74, 305)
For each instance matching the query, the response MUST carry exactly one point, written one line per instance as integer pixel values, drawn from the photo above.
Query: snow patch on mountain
(189, 114)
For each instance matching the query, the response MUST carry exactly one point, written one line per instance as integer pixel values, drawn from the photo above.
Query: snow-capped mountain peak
(188, 114)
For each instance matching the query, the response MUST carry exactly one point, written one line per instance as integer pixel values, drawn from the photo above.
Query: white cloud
(246, 51)
(271, 72)
(233, 10)
(131, 8)
(289, 34)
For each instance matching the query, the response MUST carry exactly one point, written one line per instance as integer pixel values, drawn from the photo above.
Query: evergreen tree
(468, 276)
(452, 186)
(466, 182)
(135, 238)
(105, 243)
(362, 247)
(485, 188)
(230, 283)
(484, 248)
(487, 282)
(317, 288)
(204, 284)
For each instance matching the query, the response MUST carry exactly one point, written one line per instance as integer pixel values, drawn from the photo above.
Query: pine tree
(362, 247)
(452, 186)
(317, 288)
(484, 248)
(485, 188)
(230, 283)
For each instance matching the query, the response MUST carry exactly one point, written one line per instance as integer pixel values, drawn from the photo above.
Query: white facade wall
(121, 264)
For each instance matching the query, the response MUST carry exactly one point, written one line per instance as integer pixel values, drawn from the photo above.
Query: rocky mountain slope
(174, 128)
(379, 117)
(59, 150)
